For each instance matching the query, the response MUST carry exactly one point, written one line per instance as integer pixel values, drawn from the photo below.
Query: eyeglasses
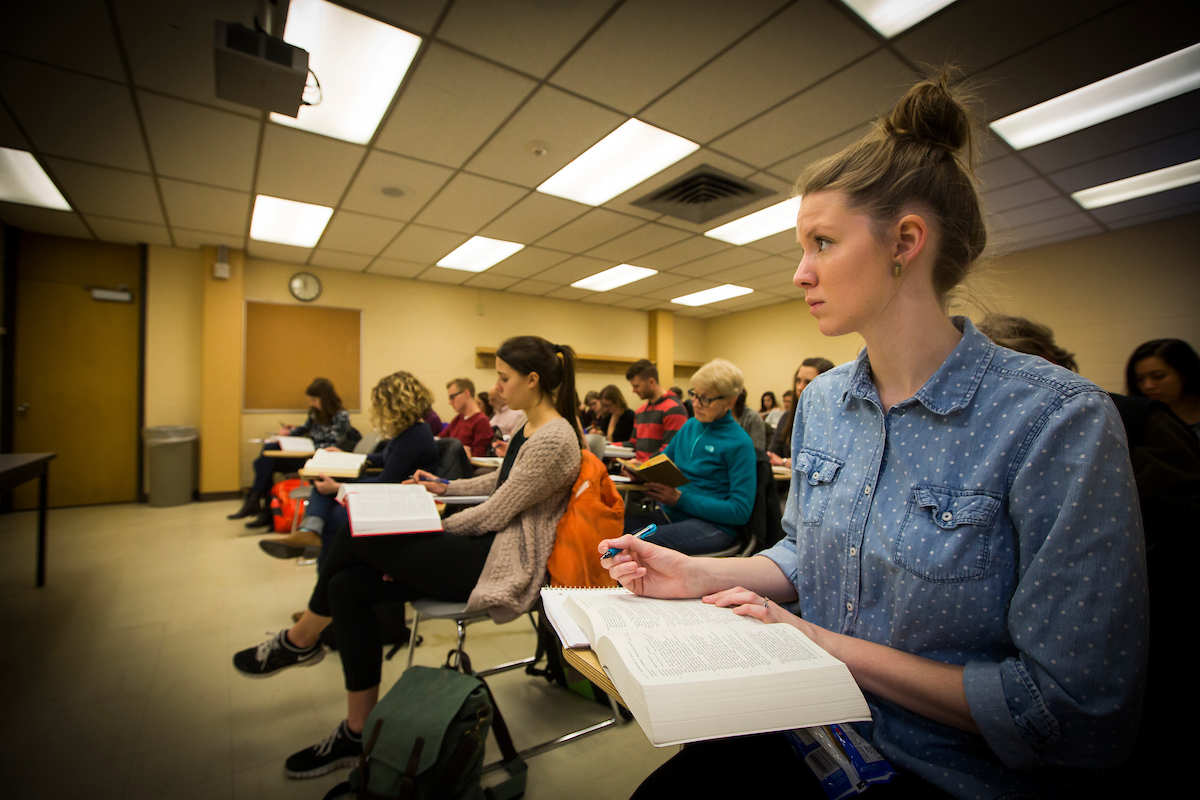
(456, 394)
(703, 401)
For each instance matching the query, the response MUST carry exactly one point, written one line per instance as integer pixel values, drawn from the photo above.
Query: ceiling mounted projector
(258, 70)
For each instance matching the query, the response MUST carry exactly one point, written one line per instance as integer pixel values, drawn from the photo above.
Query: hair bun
(930, 114)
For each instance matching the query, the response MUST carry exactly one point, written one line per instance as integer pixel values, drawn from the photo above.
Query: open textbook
(334, 464)
(690, 671)
(297, 444)
(659, 469)
(378, 509)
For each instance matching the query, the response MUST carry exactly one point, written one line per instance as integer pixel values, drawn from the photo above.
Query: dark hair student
(1167, 370)
(554, 364)
(330, 404)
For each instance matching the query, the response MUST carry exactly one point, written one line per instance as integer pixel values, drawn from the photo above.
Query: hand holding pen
(644, 533)
(649, 570)
(431, 482)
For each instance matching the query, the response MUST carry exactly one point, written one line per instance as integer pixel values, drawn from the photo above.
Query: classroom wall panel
(174, 301)
(221, 374)
(289, 344)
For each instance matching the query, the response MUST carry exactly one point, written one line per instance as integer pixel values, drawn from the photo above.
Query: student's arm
(481, 435)
(405, 456)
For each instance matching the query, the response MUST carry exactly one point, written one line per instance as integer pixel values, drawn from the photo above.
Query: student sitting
(470, 425)
(616, 424)
(717, 457)
(750, 421)
(506, 419)
(660, 418)
(397, 410)
(326, 425)
(780, 449)
(1167, 370)
(493, 556)
(590, 411)
(769, 409)
(687, 401)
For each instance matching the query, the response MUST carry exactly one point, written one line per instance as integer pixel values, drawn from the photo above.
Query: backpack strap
(514, 787)
(408, 781)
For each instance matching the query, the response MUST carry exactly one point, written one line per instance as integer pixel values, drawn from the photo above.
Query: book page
(300, 444)
(569, 632)
(413, 489)
(391, 512)
(628, 612)
(335, 459)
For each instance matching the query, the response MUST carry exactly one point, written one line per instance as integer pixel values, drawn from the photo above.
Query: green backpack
(426, 740)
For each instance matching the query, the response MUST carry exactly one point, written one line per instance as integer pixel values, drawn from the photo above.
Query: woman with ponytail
(492, 556)
(962, 526)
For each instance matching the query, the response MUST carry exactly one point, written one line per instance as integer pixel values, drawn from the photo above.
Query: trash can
(172, 464)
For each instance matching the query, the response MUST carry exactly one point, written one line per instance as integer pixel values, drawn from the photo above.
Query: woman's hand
(746, 603)
(663, 493)
(647, 569)
(326, 485)
(285, 430)
(431, 482)
(500, 447)
(776, 461)
(332, 449)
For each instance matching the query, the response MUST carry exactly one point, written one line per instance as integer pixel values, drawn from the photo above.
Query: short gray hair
(721, 376)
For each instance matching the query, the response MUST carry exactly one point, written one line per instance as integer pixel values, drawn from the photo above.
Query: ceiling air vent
(703, 194)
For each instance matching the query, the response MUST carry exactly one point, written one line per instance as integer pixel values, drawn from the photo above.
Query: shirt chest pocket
(946, 534)
(814, 477)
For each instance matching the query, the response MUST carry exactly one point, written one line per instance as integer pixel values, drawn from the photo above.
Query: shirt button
(947, 516)
(849, 606)
(853, 551)
(866, 490)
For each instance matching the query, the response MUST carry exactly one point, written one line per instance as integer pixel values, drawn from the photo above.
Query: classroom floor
(117, 679)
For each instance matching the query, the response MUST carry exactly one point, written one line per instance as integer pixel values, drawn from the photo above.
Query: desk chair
(765, 526)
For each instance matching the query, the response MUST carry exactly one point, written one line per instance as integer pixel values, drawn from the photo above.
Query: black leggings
(351, 584)
(265, 468)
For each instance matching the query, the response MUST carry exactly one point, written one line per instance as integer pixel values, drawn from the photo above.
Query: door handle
(23, 407)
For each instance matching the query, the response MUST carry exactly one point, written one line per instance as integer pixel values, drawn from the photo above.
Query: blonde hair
(398, 402)
(721, 376)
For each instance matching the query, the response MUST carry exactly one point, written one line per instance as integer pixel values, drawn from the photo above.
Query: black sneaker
(273, 655)
(335, 751)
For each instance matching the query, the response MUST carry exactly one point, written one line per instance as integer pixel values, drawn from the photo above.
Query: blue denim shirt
(989, 521)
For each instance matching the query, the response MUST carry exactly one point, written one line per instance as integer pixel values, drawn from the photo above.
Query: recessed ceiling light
(613, 277)
(22, 180)
(1125, 92)
(890, 17)
(287, 221)
(618, 162)
(713, 295)
(359, 63)
(1160, 180)
(478, 253)
(762, 223)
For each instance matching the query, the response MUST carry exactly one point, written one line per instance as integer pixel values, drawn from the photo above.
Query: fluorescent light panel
(287, 221)
(613, 277)
(359, 62)
(1160, 180)
(762, 223)
(618, 162)
(478, 253)
(22, 180)
(890, 17)
(713, 295)
(1115, 96)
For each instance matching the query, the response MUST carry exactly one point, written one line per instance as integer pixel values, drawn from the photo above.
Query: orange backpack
(285, 511)
(594, 512)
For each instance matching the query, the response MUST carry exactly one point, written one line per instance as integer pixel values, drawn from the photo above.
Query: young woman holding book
(399, 403)
(493, 555)
(327, 424)
(962, 528)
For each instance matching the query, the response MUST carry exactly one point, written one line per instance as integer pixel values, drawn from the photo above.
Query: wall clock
(305, 286)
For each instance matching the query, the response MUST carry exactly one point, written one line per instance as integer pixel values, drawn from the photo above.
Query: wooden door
(76, 383)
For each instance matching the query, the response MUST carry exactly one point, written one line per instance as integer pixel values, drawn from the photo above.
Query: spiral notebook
(569, 632)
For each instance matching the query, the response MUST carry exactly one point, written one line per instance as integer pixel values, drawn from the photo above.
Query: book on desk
(383, 509)
(334, 464)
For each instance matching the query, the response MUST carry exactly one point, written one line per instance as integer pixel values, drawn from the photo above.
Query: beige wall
(174, 289)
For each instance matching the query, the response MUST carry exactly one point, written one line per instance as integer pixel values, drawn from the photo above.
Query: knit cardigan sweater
(524, 513)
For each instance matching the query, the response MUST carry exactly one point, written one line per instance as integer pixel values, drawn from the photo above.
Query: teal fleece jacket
(718, 458)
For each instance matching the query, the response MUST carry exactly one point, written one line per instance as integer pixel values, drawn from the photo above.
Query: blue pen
(644, 533)
(430, 479)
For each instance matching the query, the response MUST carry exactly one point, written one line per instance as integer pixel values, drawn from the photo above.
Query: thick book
(382, 509)
(295, 444)
(334, 464)
(691, 671)
(659, 469)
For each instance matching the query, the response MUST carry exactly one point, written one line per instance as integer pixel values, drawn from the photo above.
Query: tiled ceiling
(115, 98)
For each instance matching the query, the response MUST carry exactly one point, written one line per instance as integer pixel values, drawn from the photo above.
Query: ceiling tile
(450, 106)
(298, 165)
(777, 281)
(418, 16)
(531, 35)
(279, 252)
(10, 134)
(191, 240)
(653, 283)
(593, 228)
(604, 298)
(44, 220)
(423, 245)
(567, 293)
(416, 180)
(782, 243)
(772, 265)
(396, 268)
(680, 289)
(468, 202)
(628, 247)
(1176, 198)
(1017, 246)
(529, 261)
(533, 287)
(1135, 161)
(334, 259)
(1073, 222)
(108, 192)
(1019, 194)
(73, 115)
(170, 46)
(358, 233)
(624, 202)
(443, 275)
(1141, 219)
(844, 101)
(716, 262)
(534, 217)
(647, 46)
(207, 208)
(562, 125)
(573, 269)
(126, 232)
(636, 303)
(487, 280)
(200, 144)
(682, 252)
(761, 70)
(77, 37)
(790, 169)
(1003, 172)
(1036, 212)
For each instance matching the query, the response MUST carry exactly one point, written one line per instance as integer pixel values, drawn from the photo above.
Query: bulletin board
(287, 345)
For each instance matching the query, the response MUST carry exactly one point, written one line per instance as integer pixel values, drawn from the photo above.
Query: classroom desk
(289, 453)
(18, 468)
(487, 462)
(589, 667)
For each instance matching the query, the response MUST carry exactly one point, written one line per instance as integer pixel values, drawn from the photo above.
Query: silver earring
(896, 268)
